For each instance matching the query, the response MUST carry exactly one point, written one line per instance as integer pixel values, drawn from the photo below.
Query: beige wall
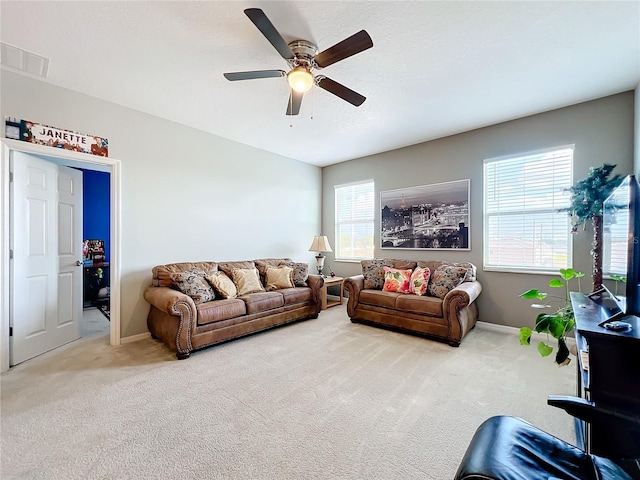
(602, 131)
(226, 185)
(186, 195)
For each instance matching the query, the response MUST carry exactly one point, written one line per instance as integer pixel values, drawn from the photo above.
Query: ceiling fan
(303, 59)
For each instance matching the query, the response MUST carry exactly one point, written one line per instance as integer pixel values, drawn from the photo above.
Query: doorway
(95, 253)
(76, 160)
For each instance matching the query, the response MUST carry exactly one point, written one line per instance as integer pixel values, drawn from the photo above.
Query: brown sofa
(448, 319)
(184, 326)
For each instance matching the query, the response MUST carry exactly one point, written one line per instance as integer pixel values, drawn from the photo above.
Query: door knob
(78, 263)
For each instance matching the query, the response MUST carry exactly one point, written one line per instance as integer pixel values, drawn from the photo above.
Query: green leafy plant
(618, 278)
(558, 324)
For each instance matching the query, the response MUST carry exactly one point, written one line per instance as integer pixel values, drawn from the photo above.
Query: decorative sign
(56, 137)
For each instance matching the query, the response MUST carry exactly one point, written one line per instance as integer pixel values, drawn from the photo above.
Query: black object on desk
(608, 379)
(96, 277)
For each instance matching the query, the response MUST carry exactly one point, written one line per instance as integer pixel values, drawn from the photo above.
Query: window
(523, 229)
(354, 221)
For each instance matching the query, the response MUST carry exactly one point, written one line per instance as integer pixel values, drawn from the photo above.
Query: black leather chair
(508, 448)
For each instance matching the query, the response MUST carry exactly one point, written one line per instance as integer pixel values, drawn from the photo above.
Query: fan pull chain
(313, 103)
(291, 108)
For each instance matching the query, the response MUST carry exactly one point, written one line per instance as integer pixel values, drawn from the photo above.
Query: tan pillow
(246, 280)
(222, 284)
(279, 277)
(263, 263)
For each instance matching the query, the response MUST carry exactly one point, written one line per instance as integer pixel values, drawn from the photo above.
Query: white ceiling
(436, 68)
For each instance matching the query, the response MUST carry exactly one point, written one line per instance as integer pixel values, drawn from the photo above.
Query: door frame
(77, 159)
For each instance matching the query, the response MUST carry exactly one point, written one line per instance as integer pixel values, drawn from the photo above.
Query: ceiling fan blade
(233, 76)
(356, 43)
(261, 21)
(339, 90)
(295, 100)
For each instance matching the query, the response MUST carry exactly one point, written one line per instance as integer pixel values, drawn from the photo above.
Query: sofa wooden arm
(353, 286)
(316, 282)
(167, 304)
(169, 301)
(454, 308)
(467, 291)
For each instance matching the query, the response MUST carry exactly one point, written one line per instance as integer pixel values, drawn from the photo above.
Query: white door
(46, 270)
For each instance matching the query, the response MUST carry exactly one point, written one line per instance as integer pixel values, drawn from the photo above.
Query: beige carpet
(320, 399)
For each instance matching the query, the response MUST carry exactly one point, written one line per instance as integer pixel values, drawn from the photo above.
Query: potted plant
(587, 197)
(558, 324)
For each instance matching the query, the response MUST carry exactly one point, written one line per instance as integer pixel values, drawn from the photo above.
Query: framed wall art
(430, 217)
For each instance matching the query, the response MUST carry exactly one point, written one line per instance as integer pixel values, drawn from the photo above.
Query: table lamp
(320, 244)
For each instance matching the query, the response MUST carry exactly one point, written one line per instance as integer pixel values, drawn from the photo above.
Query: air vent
(18, 59)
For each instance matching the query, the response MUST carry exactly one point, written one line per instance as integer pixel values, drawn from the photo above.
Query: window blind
(355, 216)
(523, 227)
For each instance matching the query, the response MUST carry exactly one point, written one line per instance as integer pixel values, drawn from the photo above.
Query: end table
(329, 282)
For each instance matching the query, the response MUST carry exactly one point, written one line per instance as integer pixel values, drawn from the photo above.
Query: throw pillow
(279, 277)
(222, 285)
(419, 280)
(246, 280)
(192, 282)
(300, 273)
(396, 280)
(262, 264)
(471, 270)
(446, 278)
(373, 273)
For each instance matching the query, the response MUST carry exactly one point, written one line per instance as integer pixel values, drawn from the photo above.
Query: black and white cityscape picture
(426, 217)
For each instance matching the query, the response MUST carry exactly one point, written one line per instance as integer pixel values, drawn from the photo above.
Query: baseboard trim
(135, 338)
(494, 327)
(515, 331)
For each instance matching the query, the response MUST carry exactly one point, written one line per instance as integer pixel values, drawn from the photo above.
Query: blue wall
(96, 208)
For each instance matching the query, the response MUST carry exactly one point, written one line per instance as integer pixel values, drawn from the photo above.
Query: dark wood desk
(608, 373)
(93, 282)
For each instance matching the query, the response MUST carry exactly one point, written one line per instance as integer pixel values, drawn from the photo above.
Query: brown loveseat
(448, 318)
(185, 326)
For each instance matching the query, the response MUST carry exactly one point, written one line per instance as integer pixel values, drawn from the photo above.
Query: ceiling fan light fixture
(303, 59)
(300, 79)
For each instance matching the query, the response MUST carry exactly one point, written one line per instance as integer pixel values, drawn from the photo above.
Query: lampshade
(320, 244)
(300, 79)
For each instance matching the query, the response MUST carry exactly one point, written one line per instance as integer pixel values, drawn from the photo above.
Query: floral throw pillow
(373, 273)
(446, 278)
(300, 273)
(192, 282)
(419, 280)
(396, 280)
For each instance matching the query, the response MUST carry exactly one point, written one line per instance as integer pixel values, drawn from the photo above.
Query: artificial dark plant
(587, 197)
